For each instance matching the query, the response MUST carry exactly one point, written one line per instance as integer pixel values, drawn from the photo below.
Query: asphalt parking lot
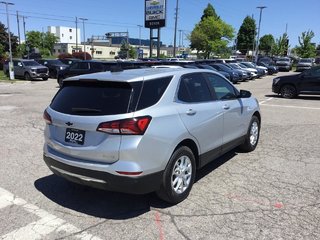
(271, 193)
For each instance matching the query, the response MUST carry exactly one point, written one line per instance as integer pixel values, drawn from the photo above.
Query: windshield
(234, 65)
(56, 62)
(284, 59)
(305, 60)
(31, 63)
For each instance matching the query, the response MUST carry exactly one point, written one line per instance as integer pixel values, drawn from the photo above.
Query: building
(65, 34)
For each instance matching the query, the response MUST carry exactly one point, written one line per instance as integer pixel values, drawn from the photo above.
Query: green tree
(49, 39)
(4, 40)
(306, 48)
(211, 34)
(124, 50)
(132, 52)
(246, 35)
(281, 46)
(42, 41)
(267, 42)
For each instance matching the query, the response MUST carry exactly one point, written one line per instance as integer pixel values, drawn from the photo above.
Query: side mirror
(244, 94)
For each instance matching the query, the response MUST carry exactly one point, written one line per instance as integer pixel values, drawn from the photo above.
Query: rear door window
(94, 98)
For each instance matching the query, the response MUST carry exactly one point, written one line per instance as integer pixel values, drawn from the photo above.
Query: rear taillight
(131, 126)
(47, 117)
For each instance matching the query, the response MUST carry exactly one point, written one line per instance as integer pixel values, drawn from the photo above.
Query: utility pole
(140, 26)
(84, 37)
(258, 40)
(11, 74)
(175, 29)
(18, 28)
(76, 34)
(24, 33)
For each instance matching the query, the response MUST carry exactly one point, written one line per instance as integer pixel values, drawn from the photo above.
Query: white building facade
(66, 34)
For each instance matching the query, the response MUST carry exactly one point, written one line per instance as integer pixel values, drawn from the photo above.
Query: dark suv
(307, 82)
(84, 67)
(54, 66)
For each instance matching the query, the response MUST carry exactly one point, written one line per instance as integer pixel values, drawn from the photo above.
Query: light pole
(84, 37)
(175, 30)
(11, 74)
(257, 47)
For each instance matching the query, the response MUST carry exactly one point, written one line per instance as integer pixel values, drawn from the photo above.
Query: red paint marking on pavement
(159, 225)
(278, 205)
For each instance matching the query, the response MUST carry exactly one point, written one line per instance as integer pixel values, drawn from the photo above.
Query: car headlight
(276, 80)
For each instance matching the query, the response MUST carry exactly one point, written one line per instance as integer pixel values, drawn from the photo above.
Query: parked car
(206, 66)
(304, 63)
(69, 61)
(244, 74)
(253, 72)
(272, 69)
(307, 82)
(262, 71)
(284, 64)
(84, 67)
(144, 130)
(234, 75)
(27, 69)
(54, 66)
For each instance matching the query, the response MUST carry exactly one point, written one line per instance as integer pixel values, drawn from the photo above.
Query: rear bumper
(107, 181)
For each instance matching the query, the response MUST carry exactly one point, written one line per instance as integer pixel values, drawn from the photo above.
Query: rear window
(108, 98)
(93, 98)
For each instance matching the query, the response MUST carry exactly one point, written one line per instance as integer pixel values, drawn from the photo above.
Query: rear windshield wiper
(85, 110)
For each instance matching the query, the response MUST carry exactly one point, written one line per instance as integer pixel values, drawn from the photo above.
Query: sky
(293, 16)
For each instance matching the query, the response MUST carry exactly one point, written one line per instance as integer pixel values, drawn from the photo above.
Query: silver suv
(28, 69)
(145, 130)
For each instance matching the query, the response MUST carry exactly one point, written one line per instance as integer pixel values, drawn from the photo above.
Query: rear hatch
(79, 108)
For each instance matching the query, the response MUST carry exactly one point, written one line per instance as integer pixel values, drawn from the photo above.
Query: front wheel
(288, 91)
(252, 137)
(178, 176)
(27, 76)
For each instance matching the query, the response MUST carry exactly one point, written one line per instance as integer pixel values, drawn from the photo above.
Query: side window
(316, 72)
(96, 66)
(194, 88)
(222, 88)
(79, 65)
(152, 91)
(19, 64)
(15, 63)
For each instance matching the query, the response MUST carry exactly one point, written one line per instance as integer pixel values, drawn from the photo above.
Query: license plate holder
(75, 136)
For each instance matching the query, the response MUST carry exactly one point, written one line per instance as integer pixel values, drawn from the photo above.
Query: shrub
(64, 55)
(80, 55)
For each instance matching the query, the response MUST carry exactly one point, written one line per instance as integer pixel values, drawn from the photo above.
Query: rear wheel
(252, 136)
(45, 78)
(288, 91)
(27, 76)
(178, 176)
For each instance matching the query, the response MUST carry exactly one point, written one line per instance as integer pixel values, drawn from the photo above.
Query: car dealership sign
(155, 13)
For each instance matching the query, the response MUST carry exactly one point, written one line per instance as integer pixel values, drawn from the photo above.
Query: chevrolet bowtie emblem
(69, 123)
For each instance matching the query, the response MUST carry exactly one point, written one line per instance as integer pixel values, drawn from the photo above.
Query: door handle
(191, 112)
(226, 107)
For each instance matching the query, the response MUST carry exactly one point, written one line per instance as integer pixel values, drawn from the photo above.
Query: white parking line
(288, 106)
(47, 224)
(267, 100)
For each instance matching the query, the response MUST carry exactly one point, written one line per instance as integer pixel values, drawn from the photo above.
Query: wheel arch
(193, 147)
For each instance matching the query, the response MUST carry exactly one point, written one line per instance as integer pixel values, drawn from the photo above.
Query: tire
(27, 76)
(288, 91)
(178, 176)
(45, 78)
(60, 79)
(252, 137)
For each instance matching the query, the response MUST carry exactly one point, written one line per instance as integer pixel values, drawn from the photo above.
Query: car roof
(136, 74)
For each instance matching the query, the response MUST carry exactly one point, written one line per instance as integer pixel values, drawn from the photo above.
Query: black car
(307, 82)
(85, 67)
(54, 66)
